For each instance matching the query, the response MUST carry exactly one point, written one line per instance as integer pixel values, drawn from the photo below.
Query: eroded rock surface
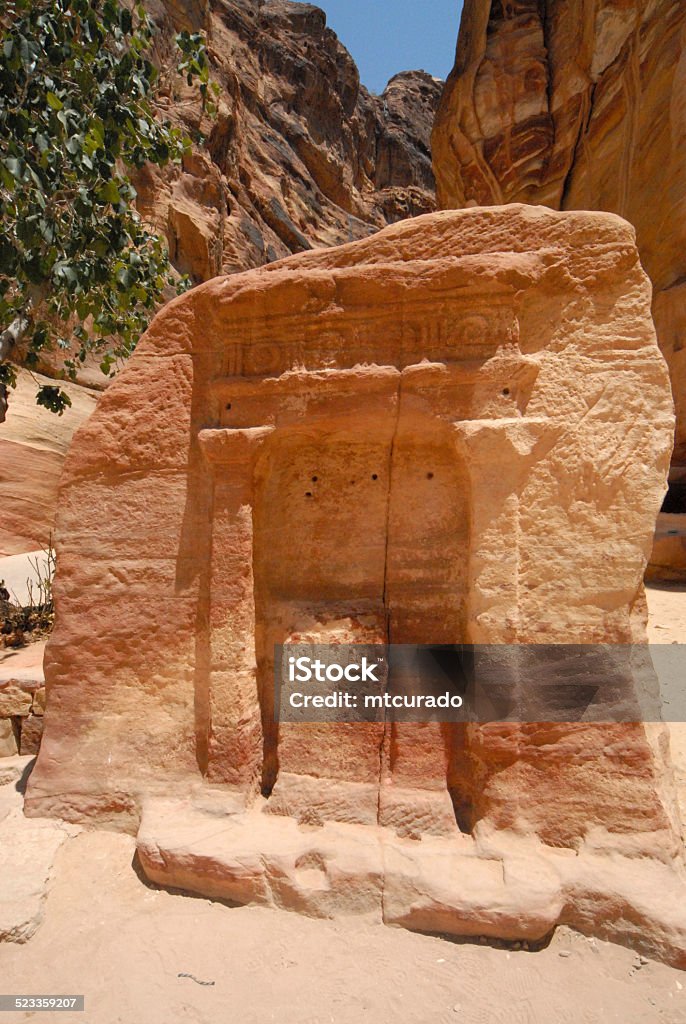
(455, 431)
(581, 105)
(300, 155)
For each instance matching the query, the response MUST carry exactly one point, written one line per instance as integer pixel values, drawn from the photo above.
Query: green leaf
(106, 363)
(40, 337)
(6, 178)
(125, 277)
(77, 108)
(109, 193)
(8, 375)
(53, 398)
(54, 101)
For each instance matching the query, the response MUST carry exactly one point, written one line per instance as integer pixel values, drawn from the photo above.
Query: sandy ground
(124, 944)
(666, 613)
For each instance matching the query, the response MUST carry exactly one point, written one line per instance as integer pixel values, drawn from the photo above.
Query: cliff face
(578, 104)
(300, 155)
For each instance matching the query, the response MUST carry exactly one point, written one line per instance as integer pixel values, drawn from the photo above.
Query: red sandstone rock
(455, 431)
(33, 443)
(31, 733)
(500, 885)
(14, 700)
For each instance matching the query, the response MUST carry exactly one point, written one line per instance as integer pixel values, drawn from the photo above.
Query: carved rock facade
(455, 431)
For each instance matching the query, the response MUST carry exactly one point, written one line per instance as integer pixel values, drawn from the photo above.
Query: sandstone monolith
(456, 431)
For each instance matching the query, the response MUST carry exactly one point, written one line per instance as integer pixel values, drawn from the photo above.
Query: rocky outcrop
(580, 105)
(433, 435)
(300, 155)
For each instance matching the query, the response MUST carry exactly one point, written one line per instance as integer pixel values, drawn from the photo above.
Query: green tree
(79, 271)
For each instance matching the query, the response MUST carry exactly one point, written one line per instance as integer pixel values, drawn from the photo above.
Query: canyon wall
(581, 104)
(299, 155)
(33, 444)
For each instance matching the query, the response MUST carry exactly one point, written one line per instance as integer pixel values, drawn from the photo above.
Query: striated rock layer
(580, 105)
(33, 443)
(455, 431)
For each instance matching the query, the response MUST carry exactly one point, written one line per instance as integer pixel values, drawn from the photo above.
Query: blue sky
(387, 36)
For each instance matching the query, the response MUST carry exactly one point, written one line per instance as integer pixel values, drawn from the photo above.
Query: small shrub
(24, 623)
